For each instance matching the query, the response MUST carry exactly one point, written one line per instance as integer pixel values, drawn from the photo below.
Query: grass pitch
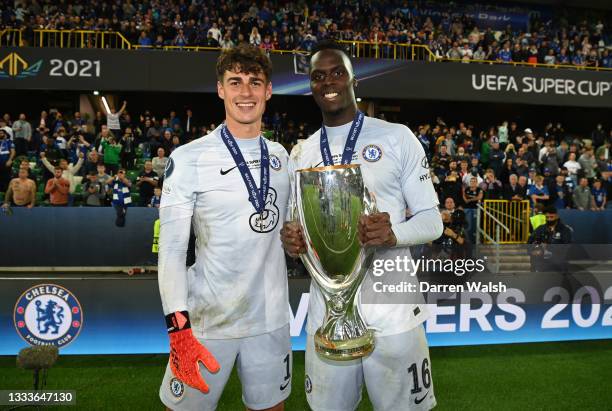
(555, 376)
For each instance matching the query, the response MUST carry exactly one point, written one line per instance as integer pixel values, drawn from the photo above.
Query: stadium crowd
(73, 161)
(567, 38)
(108, 160)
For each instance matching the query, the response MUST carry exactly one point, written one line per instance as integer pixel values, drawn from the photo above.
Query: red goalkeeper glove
(186, 352)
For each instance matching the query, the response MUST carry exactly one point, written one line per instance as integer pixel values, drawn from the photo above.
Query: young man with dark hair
(58, 188)
(394, 166)
(233, 185)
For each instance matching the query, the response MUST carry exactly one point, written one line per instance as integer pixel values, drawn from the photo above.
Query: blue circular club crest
(177, 388)
(372, 153)
(275, 162)
(48, 314)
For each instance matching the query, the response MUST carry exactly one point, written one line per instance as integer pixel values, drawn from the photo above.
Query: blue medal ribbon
(257, 197)
(349, 146)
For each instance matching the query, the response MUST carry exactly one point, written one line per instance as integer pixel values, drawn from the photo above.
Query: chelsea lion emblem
(275, 162)
(372, 153)
(177, 388)
(48, 314)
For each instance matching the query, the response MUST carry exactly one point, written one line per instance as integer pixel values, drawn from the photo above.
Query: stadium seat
(1, 197)
(135, 198)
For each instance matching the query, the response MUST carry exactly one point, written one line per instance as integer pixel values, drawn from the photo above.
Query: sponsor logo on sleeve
(169, 168)
(425, 163)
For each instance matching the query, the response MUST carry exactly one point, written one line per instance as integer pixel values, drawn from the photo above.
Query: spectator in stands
(21, 191)
(598, 135)
(461, 155)
(156, 199)
(583, 199)
(604, 152)
(166, 141)
(159, 162)
(144, 40)
(496, 156)
(473, 173)
(449, 204)
(7, 154)
(491, 186)
(441, 160)
(507, 170)
(513, 191)
(538, 192)
(112, 151)
(255, 37)
(69, 171)
(112, 118)
(560, 194)
(451, 186)
(147, 181)
(25, 165)
(128, 149)
(588, 164)
(122, 199)
(472, 195)
(91, 164)
(5, 126)
(451, 243)
(599, 196)
(58, 188)
(22, 135)
(103, 178)
(94, 193)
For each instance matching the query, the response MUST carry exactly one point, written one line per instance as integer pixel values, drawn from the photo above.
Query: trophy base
(344, 350)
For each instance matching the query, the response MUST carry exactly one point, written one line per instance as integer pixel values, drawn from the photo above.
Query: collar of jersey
(339, 131)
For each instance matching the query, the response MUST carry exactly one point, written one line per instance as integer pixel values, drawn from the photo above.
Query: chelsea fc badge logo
(275, 163)
(48, 314)
(177, 387)
(371, 153)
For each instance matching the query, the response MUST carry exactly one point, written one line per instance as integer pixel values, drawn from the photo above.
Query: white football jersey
(238, 284)
(394, 167)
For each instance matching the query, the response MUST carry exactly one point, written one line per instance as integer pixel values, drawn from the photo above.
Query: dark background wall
(81, 236)
(49, 237)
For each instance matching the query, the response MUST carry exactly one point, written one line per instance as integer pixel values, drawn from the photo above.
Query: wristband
(177, 321)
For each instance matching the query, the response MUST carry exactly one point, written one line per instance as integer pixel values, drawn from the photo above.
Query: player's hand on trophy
(292, 238)
(375, 230)
(186, 352)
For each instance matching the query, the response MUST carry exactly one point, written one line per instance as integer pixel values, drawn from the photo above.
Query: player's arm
(420, 196)
(292, 236)
(176, 209)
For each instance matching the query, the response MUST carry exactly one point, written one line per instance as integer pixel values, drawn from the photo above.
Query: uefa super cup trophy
(329, 202)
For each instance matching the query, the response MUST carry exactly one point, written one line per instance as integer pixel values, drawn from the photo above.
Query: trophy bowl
(329, 202)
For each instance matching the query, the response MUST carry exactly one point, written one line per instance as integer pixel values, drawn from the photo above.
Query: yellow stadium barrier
(513, 214)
